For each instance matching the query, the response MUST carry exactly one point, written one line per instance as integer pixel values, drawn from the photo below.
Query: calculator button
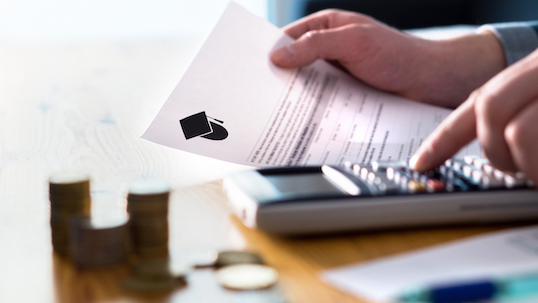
(364, 173)
(468, 171)
(390, 173)
(356, 168)
(388, 187)
(488, 169)
(415, 186)
(480, 162)
(514, 180)
(434, 185)
(382, 166)
(488, 182)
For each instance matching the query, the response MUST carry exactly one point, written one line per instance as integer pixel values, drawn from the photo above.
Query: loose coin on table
(247, 276)
(232, 257)
(157, 275)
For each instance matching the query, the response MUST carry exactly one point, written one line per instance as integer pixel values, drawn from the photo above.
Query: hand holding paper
(275, 116)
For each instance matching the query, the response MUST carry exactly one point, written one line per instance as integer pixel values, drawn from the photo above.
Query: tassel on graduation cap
(198, 125)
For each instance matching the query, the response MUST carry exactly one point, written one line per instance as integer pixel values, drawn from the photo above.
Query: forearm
(453, 68)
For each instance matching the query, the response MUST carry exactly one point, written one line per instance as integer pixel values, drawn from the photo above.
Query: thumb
(313, 45)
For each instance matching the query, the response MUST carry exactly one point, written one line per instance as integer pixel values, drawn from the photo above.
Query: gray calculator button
(364, 173)
(487, 182)
(382, 166)
(516, 180)
(356, 169)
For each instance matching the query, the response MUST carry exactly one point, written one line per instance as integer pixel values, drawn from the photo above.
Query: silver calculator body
(324, 199)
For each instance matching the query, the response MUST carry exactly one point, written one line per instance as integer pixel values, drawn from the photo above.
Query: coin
(232, 257)
(138, 284)
(147, 204)
(247, 276)
(161, 269)
(100, 239)
(199, 258)
(69, 193)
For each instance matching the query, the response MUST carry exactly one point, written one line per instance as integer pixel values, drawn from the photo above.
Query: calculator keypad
(455, 175)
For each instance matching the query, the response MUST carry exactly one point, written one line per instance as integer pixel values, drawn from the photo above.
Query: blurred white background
(72, 21)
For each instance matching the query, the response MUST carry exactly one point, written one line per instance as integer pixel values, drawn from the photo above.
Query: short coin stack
(101, 240)
(147, 204)
(69, 197)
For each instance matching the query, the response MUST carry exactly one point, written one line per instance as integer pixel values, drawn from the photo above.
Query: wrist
(458, 66)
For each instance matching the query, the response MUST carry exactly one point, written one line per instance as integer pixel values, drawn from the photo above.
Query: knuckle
(519, 135)
(312, 37)
(330, 11)
(487, 106)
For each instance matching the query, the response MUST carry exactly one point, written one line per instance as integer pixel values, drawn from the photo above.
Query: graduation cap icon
(198, 125)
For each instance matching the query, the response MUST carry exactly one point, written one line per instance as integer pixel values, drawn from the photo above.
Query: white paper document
(500, 254)
(235, 105)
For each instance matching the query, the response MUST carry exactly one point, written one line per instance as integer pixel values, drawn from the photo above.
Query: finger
(328, 44)
(521, 135)
(324, 19)
(502, 98)
(456, 131)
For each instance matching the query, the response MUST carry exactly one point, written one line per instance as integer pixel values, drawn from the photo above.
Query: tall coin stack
(69, 197)
(100, 240)
(147, 204)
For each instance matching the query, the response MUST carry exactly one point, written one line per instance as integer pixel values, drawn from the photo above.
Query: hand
(503, 114)
(442, 72)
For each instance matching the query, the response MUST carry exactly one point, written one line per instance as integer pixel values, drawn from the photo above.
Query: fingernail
(283, 54)
(413, 162)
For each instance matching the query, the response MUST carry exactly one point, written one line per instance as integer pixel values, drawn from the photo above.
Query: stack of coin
(101, 240)
(69, 197)
(157, 275)
(147, 204)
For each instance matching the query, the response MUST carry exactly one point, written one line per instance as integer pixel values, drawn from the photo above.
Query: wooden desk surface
(84, 107)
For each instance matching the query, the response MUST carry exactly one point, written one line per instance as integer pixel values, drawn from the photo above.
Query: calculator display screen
(303, 185)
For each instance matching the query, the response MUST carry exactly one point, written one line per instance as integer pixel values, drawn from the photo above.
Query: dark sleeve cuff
(517, 38)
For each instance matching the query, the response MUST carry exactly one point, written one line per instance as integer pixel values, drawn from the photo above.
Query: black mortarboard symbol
(198, 125)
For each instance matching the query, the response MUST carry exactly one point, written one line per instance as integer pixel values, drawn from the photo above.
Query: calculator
(382, 194)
